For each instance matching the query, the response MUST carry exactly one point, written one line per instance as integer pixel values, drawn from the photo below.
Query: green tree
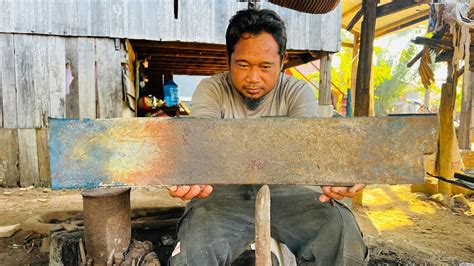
(393, 88)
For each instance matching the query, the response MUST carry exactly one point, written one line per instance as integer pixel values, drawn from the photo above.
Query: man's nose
(253, 75)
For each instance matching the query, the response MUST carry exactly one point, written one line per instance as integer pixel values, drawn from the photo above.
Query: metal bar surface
(305, 151)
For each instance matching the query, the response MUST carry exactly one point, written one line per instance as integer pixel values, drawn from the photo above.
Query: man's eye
(242, 65)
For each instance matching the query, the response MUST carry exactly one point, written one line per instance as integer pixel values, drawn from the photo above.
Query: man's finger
(180, 191)
(356, 188)
(193, 192)
(205, 192)
(324, 198)
(331, 192)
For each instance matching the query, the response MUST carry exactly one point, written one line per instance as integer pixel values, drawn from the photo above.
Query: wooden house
(77, 59)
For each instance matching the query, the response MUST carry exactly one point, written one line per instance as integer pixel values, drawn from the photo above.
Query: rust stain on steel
(306, 151)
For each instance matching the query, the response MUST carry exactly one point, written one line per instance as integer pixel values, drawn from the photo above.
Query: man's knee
(196, 243)
(355, 251)
(208, 237)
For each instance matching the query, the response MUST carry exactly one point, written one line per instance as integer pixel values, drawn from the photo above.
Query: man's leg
(319, 233)
(215, 230)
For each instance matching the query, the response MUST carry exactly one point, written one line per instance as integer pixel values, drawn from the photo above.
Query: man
(218, 224)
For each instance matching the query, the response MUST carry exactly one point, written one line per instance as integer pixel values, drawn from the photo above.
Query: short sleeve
(302, 101)
(205, 100)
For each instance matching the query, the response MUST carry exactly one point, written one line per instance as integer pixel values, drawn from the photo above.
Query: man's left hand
(339, 193)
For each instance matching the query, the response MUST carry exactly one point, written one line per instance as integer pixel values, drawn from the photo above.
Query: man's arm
(205, 100)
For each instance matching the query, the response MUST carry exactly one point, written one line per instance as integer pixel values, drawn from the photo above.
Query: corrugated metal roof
(203, 21)
(308, 6)
(410, 16)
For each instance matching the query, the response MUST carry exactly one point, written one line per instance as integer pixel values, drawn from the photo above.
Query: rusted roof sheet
(308, 6)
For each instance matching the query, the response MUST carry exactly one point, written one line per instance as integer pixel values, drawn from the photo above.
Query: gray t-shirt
(215, 97)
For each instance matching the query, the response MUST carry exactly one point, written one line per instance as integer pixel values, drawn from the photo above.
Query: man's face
(255, 65)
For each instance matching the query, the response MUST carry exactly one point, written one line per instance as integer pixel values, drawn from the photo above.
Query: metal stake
(107, 222)
(263, 248)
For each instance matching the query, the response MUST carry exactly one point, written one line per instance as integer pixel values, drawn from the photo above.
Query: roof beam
(352, 10)
(178, 45)
(354, 20)
(404, 23)
(395, 6)
(301, 59)
(433, 43)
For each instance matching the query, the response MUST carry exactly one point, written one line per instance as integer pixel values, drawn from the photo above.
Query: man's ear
(284, 61)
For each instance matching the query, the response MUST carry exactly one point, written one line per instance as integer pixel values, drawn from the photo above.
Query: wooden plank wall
(33, 78)
(203, 21)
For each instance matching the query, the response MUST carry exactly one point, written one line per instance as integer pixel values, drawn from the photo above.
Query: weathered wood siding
(198, 20)
(33, 87)
(24, 157)
(33, 79)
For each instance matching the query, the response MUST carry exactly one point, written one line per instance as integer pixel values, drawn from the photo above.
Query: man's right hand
(190, 192)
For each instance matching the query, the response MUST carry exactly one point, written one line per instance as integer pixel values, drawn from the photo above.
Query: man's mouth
(252, 90)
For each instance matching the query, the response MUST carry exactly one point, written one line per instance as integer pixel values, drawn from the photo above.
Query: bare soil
(399, 226)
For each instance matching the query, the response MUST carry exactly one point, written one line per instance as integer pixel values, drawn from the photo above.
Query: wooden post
(372, 94)
(263, 247)
(325, 103)
(364, 67)
(355, 61)
(464, 137)
(446, 129)
(427, 98)
(362, 95)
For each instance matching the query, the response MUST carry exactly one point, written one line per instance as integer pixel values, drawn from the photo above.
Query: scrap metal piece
(263, 238)
(304, 151)
(107, 222)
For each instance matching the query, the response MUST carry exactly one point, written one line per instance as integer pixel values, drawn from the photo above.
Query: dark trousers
(216, 230)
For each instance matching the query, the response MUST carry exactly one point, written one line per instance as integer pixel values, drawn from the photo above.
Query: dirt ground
(399, 226)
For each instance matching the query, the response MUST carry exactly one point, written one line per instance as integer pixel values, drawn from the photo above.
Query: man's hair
(255, 21)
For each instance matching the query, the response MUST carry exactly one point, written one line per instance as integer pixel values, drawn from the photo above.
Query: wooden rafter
(352, 10)
(395, 6)
(354, 20)
(403, 23)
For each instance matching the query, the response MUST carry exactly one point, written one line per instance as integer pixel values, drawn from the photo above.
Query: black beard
(252, 104)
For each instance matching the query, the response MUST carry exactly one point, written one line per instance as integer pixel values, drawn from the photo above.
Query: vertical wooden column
(355, 61)
(372, 94)
(427, 99)
(325, 104)
(464, 137)
(364, 68)
(446, 130)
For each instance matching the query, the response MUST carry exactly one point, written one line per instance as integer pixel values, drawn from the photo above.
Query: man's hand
(190, 192)
(339, 192)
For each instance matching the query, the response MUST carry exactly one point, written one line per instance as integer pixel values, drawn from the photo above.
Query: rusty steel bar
(107, 222)
(301, 151)
(263, 244)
